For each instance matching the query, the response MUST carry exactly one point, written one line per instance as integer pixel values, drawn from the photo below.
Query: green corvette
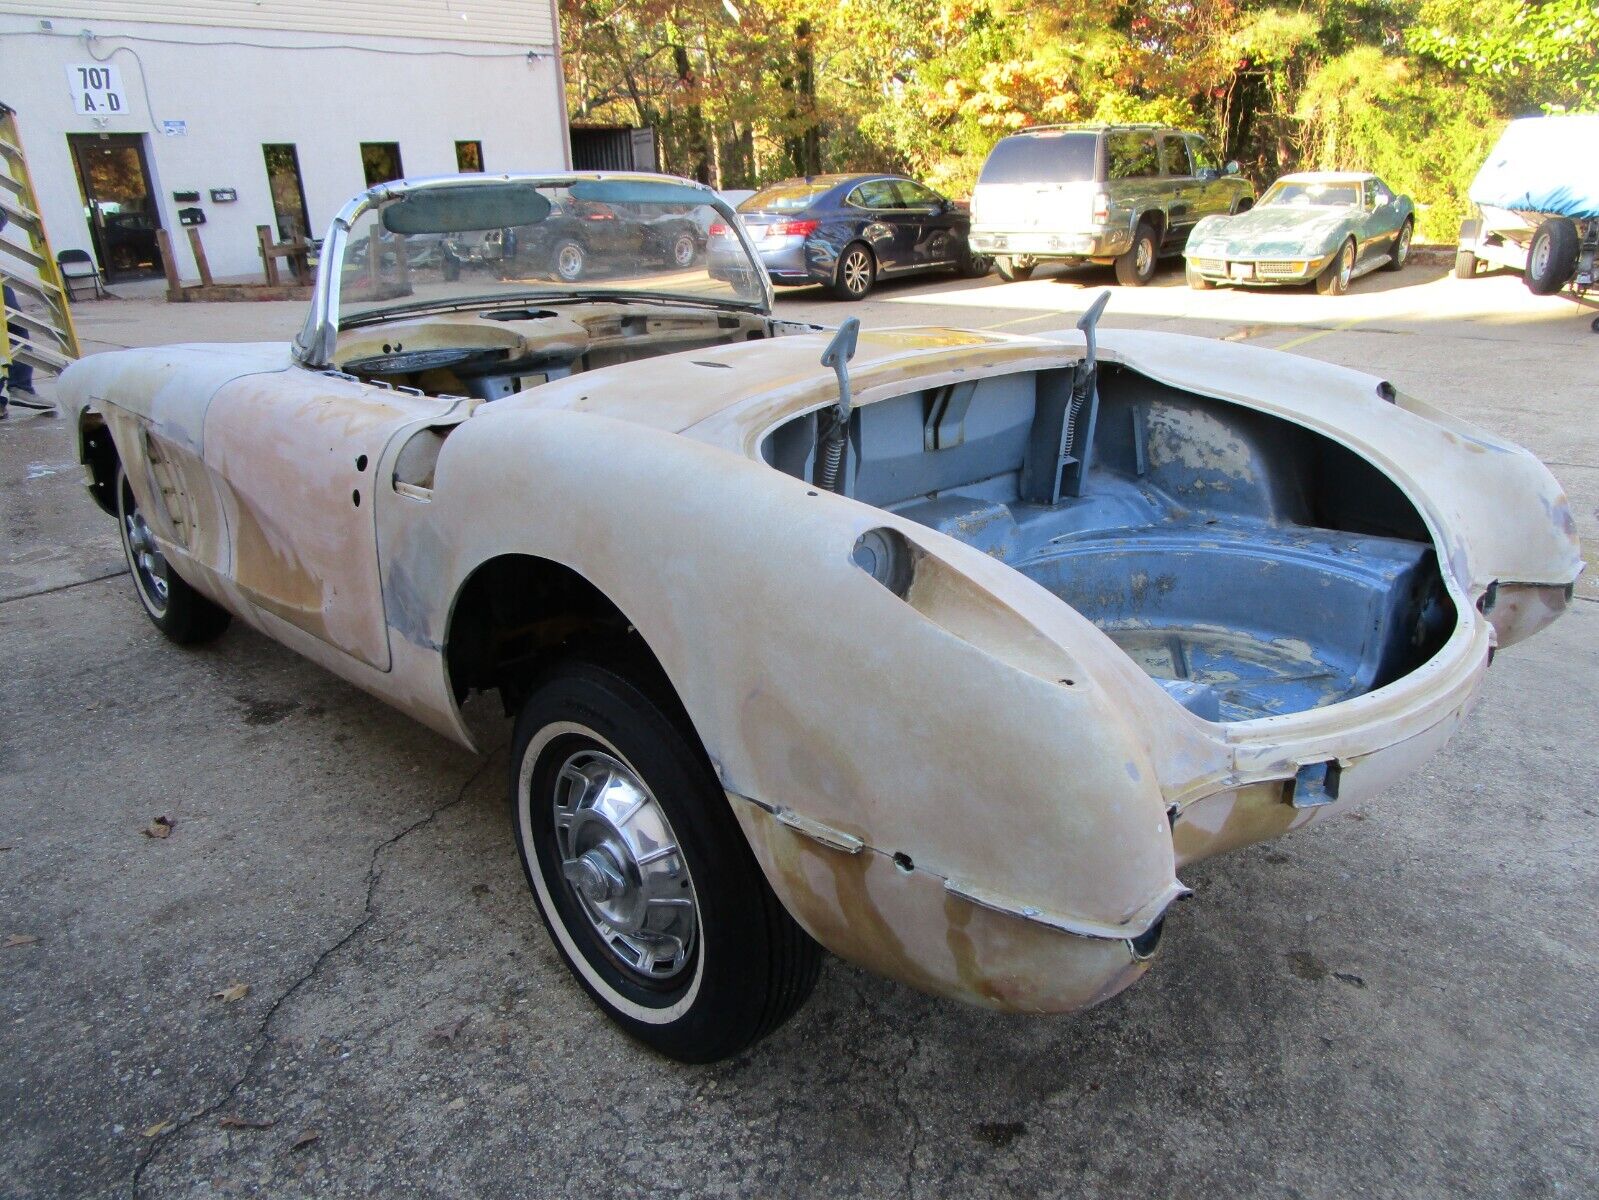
(1329, 227)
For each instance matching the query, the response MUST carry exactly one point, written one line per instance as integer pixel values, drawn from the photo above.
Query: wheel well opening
(518, 614)
(98, 452)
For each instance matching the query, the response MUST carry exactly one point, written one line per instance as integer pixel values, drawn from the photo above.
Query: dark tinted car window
(1042, 158)
(1131, 155)
(785, 197)
(1175, 153)
(875, 193)
(1204, 157)
(914, 195)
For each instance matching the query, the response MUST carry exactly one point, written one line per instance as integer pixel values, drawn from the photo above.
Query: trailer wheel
(1465, 264)
(1552, 257)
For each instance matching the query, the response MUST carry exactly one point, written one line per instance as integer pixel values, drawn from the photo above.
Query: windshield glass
(490, 242)
(1312, 194)
(786, 197)
(1050, 157)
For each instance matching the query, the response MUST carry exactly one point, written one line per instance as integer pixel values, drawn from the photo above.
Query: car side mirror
(1208, 174)
(1232, 167)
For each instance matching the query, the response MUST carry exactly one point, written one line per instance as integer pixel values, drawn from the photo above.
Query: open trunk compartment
(1253, 567)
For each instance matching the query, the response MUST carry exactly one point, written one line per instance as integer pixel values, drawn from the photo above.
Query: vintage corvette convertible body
(947, 653)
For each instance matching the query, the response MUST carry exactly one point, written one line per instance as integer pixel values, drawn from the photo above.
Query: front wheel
(643, 878)
(174, 607)
(857, 270)
(1197, 281)
(1465, 264)
(1013, 270)
(1335, 277)
(1136, 267)
(1396, 260)
(1552, 257)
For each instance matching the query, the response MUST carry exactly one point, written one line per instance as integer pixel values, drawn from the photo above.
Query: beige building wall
(517, 22)
(203, 100)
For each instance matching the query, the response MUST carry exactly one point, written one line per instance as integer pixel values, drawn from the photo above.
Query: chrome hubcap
(684, 251)
(149, 565)
(857, 271)
(622, 862)
(1346, 266)
(1404, 244)
(1145, 253)
(570, 262)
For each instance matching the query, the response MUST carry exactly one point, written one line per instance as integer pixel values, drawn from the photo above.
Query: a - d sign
(96, 90)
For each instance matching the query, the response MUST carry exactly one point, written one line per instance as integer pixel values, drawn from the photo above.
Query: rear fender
(964, 746)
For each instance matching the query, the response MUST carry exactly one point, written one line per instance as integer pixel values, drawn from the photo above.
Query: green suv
(1119, 194)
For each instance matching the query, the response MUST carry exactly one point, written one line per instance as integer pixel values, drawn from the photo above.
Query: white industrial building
(138, 114)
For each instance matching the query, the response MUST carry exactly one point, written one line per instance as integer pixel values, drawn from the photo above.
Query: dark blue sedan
(847, 231)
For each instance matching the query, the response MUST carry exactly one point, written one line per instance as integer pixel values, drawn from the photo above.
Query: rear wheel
(1197, 281)
(972, 265)
(1137, 267)
(1013, 270)
(683, 250)
(1465, 264)
(174, 607)
(1401, 251)
(857, 270)
(1334, 279)
(569, 260)
(1552, 257)
(643, 878)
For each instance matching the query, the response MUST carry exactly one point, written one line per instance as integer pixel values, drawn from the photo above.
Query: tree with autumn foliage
(741, 92)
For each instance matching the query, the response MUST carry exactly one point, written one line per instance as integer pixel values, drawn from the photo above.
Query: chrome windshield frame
(315, 343)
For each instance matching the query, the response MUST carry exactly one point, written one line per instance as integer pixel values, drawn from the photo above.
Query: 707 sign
(96, 90)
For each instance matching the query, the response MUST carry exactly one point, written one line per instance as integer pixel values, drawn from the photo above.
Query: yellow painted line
(1320, 333)
(1023, 320)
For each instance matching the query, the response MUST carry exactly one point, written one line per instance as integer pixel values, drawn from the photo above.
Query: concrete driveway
(327, 978)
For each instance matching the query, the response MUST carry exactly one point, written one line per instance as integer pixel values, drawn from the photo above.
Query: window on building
(468, 156)
(288, 191)
(381, 162)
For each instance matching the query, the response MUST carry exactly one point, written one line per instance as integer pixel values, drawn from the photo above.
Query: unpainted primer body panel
(973, 788)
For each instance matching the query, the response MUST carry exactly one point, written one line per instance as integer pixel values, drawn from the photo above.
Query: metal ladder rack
(28, 266)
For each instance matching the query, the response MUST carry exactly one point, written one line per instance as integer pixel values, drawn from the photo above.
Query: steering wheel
(464, 360)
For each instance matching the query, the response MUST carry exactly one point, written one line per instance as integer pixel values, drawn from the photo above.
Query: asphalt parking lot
(1397, 1004)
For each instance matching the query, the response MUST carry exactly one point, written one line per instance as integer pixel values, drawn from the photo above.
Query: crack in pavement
(63, 587)
(374, 874)
(915, 1117)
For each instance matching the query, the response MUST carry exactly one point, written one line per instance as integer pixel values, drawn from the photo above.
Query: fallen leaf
(158, 1129)
(159, 828)
(19, 939)
(305, 1139)
(234, 991)
(243, 1123)
(449, 1031)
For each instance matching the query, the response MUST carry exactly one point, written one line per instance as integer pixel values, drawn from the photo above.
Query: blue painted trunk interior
(1252, 567)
